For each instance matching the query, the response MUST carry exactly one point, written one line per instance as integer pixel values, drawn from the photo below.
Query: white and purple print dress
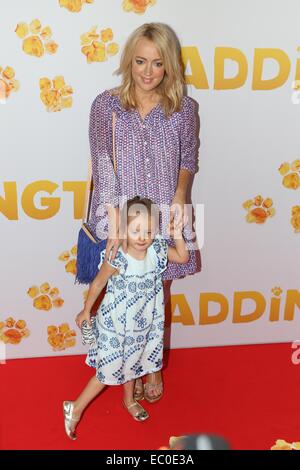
(129, 324)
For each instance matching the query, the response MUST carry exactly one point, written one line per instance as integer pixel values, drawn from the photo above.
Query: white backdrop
(246, 135)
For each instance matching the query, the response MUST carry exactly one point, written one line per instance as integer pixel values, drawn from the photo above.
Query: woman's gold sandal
(70, 420)
(140, 415)
(149, 387)
(138, 390)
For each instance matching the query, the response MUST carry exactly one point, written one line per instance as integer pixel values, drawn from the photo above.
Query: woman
(156, 143)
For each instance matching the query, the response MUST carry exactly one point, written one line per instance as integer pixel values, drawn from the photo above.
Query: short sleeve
(120, 262)
(189, 136)
(160, 247)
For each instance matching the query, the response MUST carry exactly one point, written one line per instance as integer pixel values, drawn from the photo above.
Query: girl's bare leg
(155, 379)
(92, 389)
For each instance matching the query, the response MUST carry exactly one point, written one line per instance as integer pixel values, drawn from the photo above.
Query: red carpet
(248, 394)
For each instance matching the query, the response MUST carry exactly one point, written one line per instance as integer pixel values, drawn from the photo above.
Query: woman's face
(147, 66)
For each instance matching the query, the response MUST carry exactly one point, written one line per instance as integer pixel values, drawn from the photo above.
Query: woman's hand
(112, 247)
(177, 206)
(83, 315)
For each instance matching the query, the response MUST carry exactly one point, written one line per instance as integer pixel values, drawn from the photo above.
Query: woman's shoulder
(187, 104)
(106, 97)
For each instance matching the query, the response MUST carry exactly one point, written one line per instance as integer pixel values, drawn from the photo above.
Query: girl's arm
(180, 253)
(95, 290)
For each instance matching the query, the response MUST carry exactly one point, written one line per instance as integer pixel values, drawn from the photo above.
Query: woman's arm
(180, 253)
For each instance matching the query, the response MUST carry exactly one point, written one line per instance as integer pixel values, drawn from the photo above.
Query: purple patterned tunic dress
(149, 155)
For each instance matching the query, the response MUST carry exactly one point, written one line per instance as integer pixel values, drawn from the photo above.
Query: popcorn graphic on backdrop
(259, 209)
(36, 40)
(137, 6)
(45, 297)
(61, 337)
(66, 256)
(290, 173)
(55, 94)
(74, 6)
(295, 218)
(97, 46)
(8, 83)
(13, 331)
(281, 444)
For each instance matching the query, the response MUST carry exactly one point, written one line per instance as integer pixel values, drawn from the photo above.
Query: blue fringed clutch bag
(89, 245)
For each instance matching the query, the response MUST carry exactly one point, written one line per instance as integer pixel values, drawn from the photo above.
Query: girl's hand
(83, 315)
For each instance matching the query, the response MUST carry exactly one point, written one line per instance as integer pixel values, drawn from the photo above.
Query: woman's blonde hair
(172, 85)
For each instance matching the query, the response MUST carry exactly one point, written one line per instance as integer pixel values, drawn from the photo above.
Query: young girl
(129, 324)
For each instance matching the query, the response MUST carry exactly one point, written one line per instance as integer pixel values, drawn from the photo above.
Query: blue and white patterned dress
(129, 324)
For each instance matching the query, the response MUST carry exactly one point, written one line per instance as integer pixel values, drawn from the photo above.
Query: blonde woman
(156, 143)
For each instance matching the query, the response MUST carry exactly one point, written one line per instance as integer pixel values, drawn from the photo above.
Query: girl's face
(140, 231)
(147, 66)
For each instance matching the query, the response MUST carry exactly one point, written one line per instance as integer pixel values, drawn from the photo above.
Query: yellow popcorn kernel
(42, 302)
(291, 181)
(92, 33)
(33, 291)
(50, 97)
(45, 287)
(267, 202)
(52, 330)
(25, 333)
(284, 168)
(22, 30)
(67, 102)
(137, 6)
(295, 210)
(260, 215)
(74, 250)
(56, 341)
(2, 325)
(5, 87)
(8, 72)
(271, 212)
(295, 166)
(71, 267)
(64, 328)
(296, 445)
(33, 46)
(58, 302)
(20, 324)
(281, 444)
(112, 48)
(64, 256)
(13, 335)
(73, 6)
(258, 200)
(98, 54)
(58, 82)
(35, 26)
(4, 338)
(54, 292)
(70, 342)
(247, 204)
(66, 90)
(87, 1)
(46, 33)
(9, 322)
(15, 84)
(106, 35)
(51, 47)
(70, 334)
(45, 83)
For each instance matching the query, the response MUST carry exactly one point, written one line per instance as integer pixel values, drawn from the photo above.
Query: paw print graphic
(277, 291)
(74, 6)
(259, 209)
(7, 83)
(295, 218)
(66, 257)
(36, 40)
(137, 6)
(45, 297)
(61, 337)
(96, 47)
(55, 94)
(290, 173)
(281, 444)
(12, 331)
